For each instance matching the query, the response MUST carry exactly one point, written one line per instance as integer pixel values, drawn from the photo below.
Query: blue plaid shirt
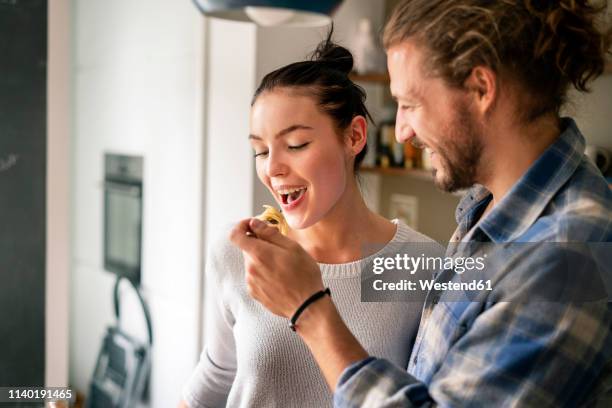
(503, 350)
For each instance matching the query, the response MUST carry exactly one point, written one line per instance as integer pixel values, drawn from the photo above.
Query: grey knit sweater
(253, 359)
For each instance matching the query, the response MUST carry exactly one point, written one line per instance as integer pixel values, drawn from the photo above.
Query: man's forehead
(405, 69)
(406, 85)
(405, 51)
(405, 91)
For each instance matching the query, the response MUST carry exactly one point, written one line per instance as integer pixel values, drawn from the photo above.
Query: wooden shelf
(381, 77)
(420, 174)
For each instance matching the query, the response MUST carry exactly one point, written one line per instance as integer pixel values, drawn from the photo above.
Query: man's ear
(357, 135)
(483, 85)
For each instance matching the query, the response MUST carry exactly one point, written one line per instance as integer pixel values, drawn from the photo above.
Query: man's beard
(460, 153)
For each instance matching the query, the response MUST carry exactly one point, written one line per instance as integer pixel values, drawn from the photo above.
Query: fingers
(256, 249)
(259, 288)
(242, 226)
(269, 234)
(239, 235)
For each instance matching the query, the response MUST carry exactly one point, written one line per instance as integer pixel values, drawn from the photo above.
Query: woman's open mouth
(290, 198)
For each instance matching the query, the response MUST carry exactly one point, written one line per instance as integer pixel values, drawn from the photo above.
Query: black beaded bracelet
(307, 303)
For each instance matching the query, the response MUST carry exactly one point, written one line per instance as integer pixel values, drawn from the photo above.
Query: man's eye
(298, 147)
(260, 154)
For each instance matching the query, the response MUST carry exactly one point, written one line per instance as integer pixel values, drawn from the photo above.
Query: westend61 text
(428, 285)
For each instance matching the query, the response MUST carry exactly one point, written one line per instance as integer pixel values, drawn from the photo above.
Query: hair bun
(333, 55)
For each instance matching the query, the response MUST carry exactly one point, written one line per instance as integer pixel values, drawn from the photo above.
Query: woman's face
(298, 155)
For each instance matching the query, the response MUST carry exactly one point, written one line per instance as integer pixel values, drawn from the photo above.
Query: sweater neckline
(353, 268)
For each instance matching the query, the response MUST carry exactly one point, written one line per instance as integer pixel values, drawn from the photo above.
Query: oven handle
(125, 188)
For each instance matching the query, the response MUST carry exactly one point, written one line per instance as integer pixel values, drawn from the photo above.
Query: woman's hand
(279, 273)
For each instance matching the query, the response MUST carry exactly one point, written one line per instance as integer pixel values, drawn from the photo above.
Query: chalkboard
(23, 77)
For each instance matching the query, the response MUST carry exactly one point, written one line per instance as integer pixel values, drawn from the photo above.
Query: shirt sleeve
(376, 382)
(211, 381)
(525, 351)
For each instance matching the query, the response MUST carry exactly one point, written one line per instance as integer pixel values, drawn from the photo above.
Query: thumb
(268, 233)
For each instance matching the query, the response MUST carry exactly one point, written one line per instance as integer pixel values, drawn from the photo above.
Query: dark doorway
(23, 78)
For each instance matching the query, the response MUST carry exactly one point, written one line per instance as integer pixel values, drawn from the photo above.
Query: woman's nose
(275, 165)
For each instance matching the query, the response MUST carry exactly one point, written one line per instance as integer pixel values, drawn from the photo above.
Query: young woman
(308, 133)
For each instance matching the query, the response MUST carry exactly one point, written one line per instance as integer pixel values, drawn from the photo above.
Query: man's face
(433, 115)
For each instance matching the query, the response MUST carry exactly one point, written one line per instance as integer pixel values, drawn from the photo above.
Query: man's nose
(403, 131)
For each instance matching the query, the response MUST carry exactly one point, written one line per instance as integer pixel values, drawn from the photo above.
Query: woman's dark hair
(325, 77)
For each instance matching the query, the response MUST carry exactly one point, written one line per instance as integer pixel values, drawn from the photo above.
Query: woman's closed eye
(264, 153)
(298, 147)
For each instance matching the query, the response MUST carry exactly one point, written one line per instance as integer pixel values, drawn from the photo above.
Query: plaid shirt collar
(528, 197)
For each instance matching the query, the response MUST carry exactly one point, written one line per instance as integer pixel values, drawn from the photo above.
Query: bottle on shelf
(390, 153)
(386, 150)
(384, 153)
(412, 156)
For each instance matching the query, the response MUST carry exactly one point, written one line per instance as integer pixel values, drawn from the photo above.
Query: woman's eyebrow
(285, 131)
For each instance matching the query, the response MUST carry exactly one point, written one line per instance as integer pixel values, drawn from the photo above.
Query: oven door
(123, 228)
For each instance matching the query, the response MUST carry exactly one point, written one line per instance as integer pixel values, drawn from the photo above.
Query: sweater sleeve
(212, 379)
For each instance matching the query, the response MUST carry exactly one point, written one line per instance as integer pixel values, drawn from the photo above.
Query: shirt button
(415, 360)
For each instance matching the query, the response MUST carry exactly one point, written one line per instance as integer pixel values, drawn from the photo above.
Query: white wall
(593, 112)
(228, 160)
(230, 84)
(138, 89)
(58, 196)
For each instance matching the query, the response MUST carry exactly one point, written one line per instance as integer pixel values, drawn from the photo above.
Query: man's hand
(279, 273)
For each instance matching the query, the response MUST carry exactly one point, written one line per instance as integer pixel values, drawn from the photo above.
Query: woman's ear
(357, 135)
